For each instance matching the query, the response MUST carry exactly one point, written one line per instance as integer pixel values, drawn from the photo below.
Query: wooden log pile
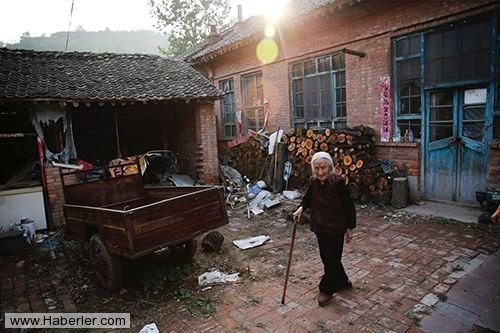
(352, 151)
(249, 158)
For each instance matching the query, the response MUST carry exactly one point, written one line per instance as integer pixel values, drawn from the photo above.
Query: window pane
(227, 108)
(410, 98)
(324, 64)
(340, 79)
(297, 70)
(473, 122)
(297, 88)
(411, 125)
(309, 67)
(253, 97)
(312, 97)
(341, 110)
(415, 103)
(459, 53)
(408, 69)
(440, 131)
(299, 112)
(441, 115)
(326, 96)
(403, 47)
(441, 57)
(408, 46)
(496, 127)
(475, 59)
(338, 61)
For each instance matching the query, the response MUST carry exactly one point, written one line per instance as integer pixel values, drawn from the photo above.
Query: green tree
(188, 21)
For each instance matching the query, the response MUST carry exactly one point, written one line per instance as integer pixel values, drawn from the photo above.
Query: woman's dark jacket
(332, 208)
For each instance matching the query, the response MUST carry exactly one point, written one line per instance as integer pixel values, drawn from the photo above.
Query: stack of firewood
(352, 151)
(249, 158)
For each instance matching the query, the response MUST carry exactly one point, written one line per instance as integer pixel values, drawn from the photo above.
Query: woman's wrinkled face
(322, 169)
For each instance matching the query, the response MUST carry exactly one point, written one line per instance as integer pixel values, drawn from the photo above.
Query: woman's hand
(495, 218)
(297, 214)
(348, 235)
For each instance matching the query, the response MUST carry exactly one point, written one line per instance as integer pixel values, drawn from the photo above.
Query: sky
(49, 16)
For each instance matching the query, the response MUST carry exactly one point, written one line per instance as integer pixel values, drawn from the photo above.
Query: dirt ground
(162, 290)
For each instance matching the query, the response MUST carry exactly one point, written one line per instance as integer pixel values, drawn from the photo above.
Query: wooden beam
(353, 52)
(16, 135)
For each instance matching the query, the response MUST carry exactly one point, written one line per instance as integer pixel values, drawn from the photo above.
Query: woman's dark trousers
(330, 250)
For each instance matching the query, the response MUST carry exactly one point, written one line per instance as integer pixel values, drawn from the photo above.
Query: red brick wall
(55, 193)
(207, 161)
(494, 166)
(367, 27)
(405, 155)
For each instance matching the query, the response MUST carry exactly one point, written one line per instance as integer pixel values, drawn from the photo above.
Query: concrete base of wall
(413, 185)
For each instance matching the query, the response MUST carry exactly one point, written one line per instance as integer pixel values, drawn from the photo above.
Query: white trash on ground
(216, 277)
(291, 195)
(150, 328)
(248, 243)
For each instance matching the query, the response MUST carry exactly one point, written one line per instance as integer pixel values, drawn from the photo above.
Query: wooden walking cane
(289, 262)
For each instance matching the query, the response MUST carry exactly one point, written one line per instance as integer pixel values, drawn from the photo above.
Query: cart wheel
(108, 268)
(186, 250)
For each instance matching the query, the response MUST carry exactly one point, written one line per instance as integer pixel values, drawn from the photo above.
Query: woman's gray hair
(322, 155)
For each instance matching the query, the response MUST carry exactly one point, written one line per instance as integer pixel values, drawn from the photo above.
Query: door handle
(454, 141)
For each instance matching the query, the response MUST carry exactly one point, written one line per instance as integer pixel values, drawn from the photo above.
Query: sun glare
(271, 9)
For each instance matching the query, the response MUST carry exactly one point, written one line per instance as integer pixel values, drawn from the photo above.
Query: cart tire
(108, 268)
(185, 251)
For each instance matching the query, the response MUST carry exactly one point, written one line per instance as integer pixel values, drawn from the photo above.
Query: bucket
(12, 243)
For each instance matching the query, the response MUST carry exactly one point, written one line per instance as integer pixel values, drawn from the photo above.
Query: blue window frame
(318, 92)
(227, 108)
(408, 84)
(458, 54)
(496, 110)
(253, 101)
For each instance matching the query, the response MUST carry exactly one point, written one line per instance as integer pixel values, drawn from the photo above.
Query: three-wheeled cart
(122, 219)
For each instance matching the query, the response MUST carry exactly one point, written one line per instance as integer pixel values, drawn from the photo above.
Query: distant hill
(142, 41)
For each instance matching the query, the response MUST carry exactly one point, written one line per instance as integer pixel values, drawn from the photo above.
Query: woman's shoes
(348, 285)
(324, 299)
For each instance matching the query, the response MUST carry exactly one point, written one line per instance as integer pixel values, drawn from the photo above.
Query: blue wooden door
(456, 149)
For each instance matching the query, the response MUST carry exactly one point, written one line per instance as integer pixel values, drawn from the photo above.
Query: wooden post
(278, 181)
(399, 192)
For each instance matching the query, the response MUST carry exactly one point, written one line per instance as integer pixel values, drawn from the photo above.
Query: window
(460, 53)
(408, 84)
(318, 92)
(227, 108)
(253, 101)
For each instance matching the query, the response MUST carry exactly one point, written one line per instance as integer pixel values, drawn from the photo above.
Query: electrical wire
(69, 26)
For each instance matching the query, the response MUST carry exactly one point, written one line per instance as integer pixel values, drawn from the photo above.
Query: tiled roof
(99, 77)
(253, 27)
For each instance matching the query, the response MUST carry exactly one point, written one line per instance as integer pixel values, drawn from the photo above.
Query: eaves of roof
(99, 77)
(252, 29)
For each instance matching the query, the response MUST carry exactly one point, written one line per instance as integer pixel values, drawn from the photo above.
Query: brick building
(327, 64)
(97, 107)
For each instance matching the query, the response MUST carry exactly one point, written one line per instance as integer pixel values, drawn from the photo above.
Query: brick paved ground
(402, 268)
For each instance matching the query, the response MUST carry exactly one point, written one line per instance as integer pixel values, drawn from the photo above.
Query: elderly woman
(333, 215)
